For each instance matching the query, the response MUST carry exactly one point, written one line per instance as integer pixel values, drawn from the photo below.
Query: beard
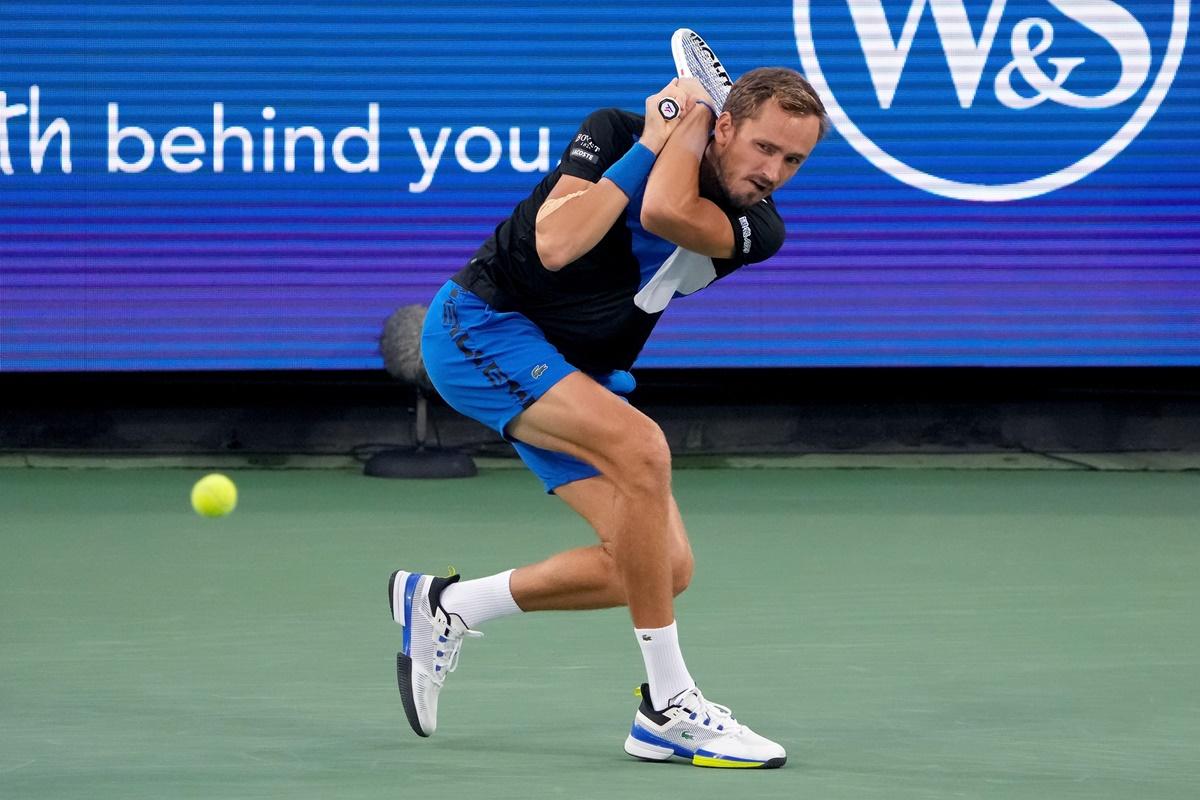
(714, 186)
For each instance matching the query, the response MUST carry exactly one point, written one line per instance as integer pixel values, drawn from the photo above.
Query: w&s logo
(991, 100)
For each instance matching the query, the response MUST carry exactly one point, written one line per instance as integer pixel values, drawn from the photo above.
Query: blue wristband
(632, 170)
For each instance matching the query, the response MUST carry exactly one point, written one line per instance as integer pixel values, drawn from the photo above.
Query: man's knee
(644, 459)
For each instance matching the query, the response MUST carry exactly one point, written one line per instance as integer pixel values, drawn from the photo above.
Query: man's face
(761, 154)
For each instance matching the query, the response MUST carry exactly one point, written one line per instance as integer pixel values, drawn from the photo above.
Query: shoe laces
(447, 642)
(705, 712)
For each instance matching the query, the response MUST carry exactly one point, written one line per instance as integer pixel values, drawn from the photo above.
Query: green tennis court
(906, 634)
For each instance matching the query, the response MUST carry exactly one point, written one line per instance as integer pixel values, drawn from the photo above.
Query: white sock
(482, 599)
(665, 670)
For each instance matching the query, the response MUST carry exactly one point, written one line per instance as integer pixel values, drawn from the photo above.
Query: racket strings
(713, 82)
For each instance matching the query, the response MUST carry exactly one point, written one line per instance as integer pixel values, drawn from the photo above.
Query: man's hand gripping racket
(665, 109)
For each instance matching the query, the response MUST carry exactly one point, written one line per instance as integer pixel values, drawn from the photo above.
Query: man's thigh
(580, 417)
(491, 366)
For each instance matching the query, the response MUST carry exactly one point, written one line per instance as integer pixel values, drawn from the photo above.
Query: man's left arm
(672, 207)
(758, 233)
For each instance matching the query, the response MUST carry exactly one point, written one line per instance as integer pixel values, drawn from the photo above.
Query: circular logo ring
(992, 193)
(668, 108)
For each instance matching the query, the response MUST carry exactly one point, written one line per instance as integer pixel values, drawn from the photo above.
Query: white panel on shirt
(684, 272)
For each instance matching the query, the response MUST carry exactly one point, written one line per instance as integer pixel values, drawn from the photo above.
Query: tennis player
(535, 337)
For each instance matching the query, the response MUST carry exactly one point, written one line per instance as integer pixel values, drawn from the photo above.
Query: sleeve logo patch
(745, 235)
(580, 153)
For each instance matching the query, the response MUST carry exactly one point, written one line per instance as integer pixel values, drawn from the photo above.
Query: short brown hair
(790, 89)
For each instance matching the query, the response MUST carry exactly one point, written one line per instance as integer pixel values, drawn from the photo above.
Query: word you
(132, 148)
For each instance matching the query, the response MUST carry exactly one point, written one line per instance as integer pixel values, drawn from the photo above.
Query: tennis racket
(695, 59)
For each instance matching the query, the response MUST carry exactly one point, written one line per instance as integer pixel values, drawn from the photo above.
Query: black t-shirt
(587, 309)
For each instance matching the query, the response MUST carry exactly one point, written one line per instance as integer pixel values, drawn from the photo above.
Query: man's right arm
(574, 218)
(578, 212)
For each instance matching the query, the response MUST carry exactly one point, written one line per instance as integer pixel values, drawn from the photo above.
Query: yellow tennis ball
(214, 495)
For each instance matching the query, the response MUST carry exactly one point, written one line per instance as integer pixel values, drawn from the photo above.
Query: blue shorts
(491, 365)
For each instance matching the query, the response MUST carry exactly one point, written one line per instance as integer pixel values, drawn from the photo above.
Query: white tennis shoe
(705, 733)
(432, 638)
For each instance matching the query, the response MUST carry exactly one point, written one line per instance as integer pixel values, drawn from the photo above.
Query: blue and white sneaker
(432, 637)
(705, 733)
